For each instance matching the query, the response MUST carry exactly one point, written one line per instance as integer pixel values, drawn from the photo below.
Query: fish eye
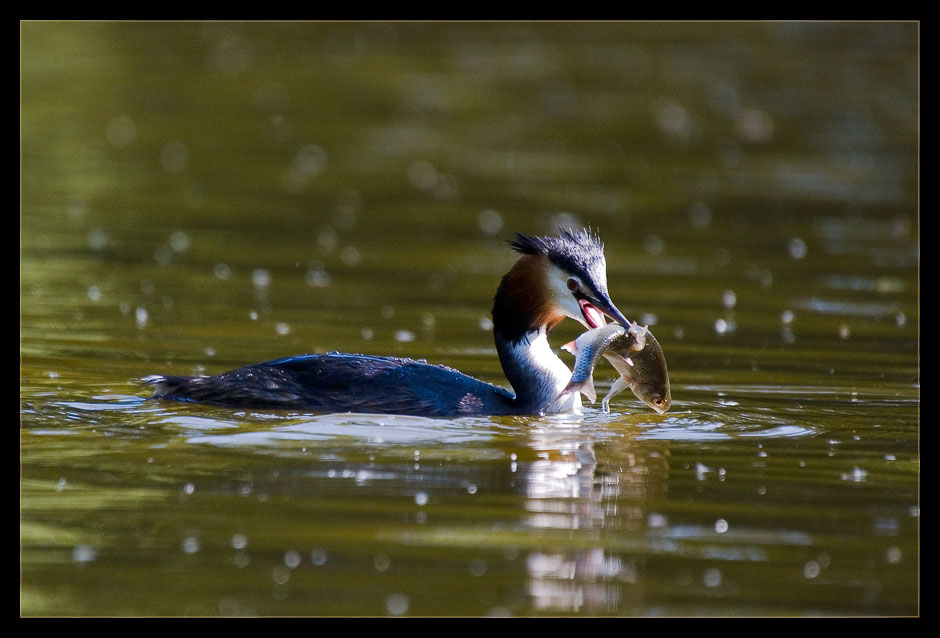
(573, 284)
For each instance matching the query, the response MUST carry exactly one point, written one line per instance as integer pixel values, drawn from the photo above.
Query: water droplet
(811, 569)
(421, 498)
(893, 555)
(349, 255)
(754, 125)
(190, 545)
(222, 271)
(292, 558)
(653, 245)
(121, 132)
(261, 278)
(490, 222)
(381, 562)
(280, 574)
(672, 119)
(712, 577)
(857, 475)
(141, 317)
(97, 239)
(721, 526)
(477, 567)
(84, 554)
(179, 241)
(796, 248)
(397, 604)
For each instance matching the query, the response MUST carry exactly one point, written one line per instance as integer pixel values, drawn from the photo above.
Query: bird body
(555, 277)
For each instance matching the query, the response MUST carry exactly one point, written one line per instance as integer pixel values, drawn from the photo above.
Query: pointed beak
(592, 308)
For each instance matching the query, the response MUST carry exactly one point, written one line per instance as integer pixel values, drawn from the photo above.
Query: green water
(199, 196)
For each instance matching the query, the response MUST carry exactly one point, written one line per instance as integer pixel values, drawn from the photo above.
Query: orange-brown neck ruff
(523, 303)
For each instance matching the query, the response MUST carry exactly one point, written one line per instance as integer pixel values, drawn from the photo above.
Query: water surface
(200, 196)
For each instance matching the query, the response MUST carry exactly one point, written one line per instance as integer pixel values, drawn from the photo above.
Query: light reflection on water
(373, 429)
(621, 516)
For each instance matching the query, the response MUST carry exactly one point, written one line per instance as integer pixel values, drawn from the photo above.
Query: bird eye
(573, 285)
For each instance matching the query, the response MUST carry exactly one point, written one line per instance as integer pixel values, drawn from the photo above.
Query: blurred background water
(198, 196)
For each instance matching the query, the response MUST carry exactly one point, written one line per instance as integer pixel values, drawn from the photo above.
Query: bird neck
(536, 374)
(522, 316)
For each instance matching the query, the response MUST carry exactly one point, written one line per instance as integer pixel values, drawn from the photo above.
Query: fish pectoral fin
(585, 387)
(588, 389)
(571, 347)
(616, 388)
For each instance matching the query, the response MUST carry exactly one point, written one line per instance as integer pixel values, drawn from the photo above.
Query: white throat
(538, 375)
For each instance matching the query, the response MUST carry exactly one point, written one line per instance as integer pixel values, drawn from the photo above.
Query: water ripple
(705, 424)
(371, 428)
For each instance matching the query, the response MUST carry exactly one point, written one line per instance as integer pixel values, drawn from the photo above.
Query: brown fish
(635, 354)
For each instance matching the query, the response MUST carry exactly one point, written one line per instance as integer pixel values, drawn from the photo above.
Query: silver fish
(635, 354)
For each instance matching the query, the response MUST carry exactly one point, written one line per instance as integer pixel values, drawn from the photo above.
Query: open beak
(593, 311)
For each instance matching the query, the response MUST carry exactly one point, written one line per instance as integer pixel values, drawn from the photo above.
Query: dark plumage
(338, 382)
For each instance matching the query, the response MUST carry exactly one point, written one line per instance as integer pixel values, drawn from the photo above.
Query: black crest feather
(573, 250)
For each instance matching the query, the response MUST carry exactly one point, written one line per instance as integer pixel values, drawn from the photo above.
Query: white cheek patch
(560, 295)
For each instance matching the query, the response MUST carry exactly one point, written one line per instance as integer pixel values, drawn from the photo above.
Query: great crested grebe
(555, 277)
